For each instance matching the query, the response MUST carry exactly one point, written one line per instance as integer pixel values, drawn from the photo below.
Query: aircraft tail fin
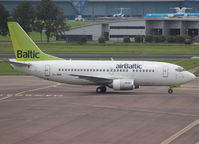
(25, 49)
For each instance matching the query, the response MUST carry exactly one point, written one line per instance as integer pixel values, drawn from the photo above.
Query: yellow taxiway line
(181, 132)
(20, 93)
(8, 96)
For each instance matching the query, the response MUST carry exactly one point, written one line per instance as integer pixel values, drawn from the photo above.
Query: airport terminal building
(93, 9)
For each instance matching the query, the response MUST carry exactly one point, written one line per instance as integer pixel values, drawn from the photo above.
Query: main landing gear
(170, 90)
(101, 89)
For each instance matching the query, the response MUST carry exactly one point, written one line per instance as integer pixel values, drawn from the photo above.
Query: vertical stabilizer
(25, 49)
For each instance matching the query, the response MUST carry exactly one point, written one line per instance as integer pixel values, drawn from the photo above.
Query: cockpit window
(180, 69)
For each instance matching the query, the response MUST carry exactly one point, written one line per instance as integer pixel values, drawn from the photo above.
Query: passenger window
(126, 70)
(149, 70)
(59, 69)
(71, 69)
(62, 69)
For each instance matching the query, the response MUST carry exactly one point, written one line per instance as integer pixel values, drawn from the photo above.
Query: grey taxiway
(38, 111)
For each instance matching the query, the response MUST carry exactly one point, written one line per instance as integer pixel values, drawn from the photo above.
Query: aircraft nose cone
(190, 76)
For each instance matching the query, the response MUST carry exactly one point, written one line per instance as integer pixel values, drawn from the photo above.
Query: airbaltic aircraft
(119, 75)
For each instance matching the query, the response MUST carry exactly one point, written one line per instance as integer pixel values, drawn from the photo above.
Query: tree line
(46, 16)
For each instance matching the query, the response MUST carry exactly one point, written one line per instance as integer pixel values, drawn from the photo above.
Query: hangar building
(102, 8)
(118, 29)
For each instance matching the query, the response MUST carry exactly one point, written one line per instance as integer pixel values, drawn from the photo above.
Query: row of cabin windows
(106, 70)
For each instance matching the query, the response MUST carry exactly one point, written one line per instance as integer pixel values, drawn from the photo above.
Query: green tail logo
(25, 49)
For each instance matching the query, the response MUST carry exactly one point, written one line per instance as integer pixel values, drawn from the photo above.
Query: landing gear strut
(101, 89)
(170, 91)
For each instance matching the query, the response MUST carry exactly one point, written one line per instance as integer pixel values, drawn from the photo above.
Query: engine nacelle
(123, 84)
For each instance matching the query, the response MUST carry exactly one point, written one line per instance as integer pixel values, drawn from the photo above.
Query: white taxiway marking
(178, 134)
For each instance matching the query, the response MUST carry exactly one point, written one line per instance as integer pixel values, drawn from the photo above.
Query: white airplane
(121, 14)
(119, 75)
(180, 12)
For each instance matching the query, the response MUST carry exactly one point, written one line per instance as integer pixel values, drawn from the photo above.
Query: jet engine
(123, 84)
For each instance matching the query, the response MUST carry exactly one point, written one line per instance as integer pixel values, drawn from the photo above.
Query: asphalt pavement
(35, 111)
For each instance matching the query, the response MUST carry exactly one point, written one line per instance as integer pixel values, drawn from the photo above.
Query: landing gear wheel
(101, 89)
(170, 91)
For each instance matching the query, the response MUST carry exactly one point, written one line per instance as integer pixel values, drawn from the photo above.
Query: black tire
(99, 90)
(170, 91)
(103, 89)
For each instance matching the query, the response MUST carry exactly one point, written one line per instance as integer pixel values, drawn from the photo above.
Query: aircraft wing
(95, 79)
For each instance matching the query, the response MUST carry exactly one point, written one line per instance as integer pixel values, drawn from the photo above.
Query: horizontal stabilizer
(12, 61)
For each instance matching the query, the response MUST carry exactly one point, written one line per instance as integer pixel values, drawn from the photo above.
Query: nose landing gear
(101, 89)
(170, 90)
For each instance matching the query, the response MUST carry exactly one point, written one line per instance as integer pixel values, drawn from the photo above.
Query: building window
(122, 36)
(127, 27)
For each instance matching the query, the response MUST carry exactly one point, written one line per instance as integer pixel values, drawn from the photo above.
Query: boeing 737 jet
(119, 75)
